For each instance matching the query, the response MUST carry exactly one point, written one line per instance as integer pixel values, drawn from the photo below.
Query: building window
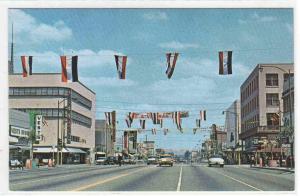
(272, 99)
(272, 119)
(272, 79)
(286, 76)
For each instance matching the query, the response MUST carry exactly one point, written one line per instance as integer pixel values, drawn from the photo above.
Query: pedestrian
(120, 159)
(252, 161)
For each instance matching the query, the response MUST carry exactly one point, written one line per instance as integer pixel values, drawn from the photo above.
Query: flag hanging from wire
(166, 131)
(142, 123)
(203, 115)
(153, 131)
(194, 130)
(26, 65)
(155, 119)
(171, 62)
(160, 122)
(121, 66)
(225, 62)
(108, 118)
(177, 119)
(198, 123)
(69, 68)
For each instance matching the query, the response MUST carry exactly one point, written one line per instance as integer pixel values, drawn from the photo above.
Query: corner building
(68, 111)
(262, 106)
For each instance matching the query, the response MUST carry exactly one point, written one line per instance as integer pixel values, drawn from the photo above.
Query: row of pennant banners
(70, 70)
(157, 119)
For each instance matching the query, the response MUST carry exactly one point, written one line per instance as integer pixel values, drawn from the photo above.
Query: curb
(272, 168)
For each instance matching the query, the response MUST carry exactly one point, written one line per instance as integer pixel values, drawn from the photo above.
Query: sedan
(216, 160)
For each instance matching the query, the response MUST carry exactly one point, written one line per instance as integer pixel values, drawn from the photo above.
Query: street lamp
(261, 67)
(237, 131)
(62, 134)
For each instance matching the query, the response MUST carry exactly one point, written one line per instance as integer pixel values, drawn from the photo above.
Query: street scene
(151, 99)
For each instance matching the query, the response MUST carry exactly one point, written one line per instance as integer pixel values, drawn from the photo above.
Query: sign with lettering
(18, 131)
(38, 127)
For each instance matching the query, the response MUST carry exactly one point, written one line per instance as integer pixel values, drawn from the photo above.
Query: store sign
(38, 127)
(18, 131)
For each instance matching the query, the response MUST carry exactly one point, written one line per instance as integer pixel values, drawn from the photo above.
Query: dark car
(111, 160)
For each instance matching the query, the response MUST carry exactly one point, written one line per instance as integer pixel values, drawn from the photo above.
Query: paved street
(151, 178)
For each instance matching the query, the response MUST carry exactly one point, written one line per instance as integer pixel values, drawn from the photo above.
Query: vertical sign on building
(125, 140)
(132, 138)
(68, 115)
(38, 127)
(113, 131)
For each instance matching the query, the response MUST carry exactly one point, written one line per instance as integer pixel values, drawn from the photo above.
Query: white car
(216, 160)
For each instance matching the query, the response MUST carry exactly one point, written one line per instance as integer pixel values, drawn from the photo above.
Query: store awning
(46, 150)
(75, 150)
(13, 139)
(19, 147)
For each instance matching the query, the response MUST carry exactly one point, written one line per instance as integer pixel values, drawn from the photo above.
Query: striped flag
(225, 62)
(194, 130)
(153, 131)
(108, 118)
(26, 65)
(69, 69)
(177, 119)
(203, 115)
(171, 62)
(121, 65)
(155, 118)
(166, 131)
(142, 123)
(198, 123)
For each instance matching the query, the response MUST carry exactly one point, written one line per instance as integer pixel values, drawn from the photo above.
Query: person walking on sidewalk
(252, 161)
(120, 160)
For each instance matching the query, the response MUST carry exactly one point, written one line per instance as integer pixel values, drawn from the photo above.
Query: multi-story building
(261, 106)
(232, 124)
(288, 113)
(67, 110)
(233, 129)
(103, 138)
(19, 135)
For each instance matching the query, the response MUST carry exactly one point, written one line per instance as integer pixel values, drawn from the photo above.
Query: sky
(145, 35)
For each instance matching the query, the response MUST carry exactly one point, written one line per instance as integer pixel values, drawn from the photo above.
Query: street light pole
(57, 155)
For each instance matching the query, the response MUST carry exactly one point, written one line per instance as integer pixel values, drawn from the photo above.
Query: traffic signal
(60, 142)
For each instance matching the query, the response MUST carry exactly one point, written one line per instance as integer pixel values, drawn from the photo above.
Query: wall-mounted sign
(18, 131)
(38, 127)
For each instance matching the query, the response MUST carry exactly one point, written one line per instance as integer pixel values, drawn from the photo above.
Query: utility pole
(11, 69)
(57, 155)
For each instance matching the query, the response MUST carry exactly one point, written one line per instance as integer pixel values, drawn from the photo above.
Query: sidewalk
(292, 170)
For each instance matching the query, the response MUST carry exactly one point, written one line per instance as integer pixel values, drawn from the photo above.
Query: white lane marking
(244, 183)
(179, 180)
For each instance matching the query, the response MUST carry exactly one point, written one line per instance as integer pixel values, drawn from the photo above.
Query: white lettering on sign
(17, 131)
(38, 127)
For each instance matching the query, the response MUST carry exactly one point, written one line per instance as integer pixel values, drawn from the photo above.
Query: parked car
(216, 160)
(101, 161)
(111, 160)
(152, 160)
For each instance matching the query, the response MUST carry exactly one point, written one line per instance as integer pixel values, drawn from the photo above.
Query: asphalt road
(151, 178)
